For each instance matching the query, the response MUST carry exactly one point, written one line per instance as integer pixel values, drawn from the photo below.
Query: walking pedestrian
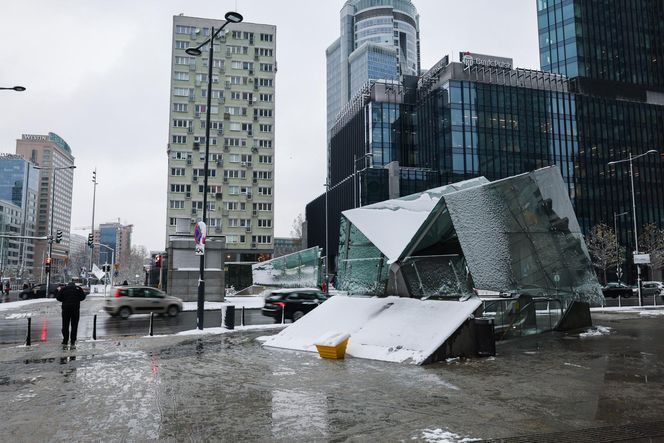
(71, 297)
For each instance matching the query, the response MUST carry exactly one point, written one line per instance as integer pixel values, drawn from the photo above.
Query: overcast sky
(98, 75)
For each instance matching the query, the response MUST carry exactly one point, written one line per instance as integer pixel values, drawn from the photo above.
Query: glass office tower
(380, 39)
(603, 39)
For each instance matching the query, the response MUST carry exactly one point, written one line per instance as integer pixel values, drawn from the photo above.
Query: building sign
(34, 137)
(490, 61)
(4, 156)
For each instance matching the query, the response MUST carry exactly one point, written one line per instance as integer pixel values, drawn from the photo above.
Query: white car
(128, 300)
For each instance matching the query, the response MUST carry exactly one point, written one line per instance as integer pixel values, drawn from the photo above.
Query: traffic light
(91, 240)
(157, 261)
(47, 264)
(58, 236)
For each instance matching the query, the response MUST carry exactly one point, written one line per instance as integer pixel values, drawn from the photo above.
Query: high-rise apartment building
(19, 182)
(380, 39)
(241, 161)
(49, 152)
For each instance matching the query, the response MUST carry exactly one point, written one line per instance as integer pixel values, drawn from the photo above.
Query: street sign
(641, 259)
(200, 232)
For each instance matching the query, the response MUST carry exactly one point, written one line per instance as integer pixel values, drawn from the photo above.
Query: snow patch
(444, 436)
(596, 331)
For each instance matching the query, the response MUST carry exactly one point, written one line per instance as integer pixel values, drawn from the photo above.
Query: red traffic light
(157, 260)
(47, 261)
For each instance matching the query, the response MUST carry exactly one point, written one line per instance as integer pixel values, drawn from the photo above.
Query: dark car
(294, 303)
(616, 289)
(39, 291)
(651, 288)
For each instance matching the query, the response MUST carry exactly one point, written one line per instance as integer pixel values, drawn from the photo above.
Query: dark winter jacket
(70, 296)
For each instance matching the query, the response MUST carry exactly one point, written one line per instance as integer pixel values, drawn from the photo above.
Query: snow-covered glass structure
(515, 235)
(300, 269)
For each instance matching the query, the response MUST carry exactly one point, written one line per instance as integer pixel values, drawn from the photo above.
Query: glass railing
(518, 317)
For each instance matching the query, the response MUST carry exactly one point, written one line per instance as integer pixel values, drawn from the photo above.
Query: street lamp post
(92, 227)
(355, 160)
(327, 250)
(50, 235)
(615, 231)
(630, 159)
(14, 88)
(231, 17)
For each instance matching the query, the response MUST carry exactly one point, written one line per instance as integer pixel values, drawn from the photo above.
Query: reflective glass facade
(496, 131)
(390, 29)
(610, 40)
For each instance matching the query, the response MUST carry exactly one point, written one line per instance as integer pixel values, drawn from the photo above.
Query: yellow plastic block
(334, 352)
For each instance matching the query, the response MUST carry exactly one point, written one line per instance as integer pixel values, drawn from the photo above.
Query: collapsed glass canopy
(516, 235)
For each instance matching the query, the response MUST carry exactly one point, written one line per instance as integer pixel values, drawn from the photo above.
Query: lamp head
(233, 17)
(19, 88)
(193, 51)
(653, 151)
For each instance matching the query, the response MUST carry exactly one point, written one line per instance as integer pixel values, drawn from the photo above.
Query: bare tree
(604, 249)
(134, 266)
(296, 229)
(651, 241)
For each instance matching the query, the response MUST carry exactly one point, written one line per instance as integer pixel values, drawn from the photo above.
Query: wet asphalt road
(46, 322)
(228, 388)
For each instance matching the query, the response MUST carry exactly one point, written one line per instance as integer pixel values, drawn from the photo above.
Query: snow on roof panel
(391, 225)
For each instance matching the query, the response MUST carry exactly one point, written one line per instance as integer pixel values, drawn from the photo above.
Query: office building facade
(242, 145)
(476, 118)
(19, 182)
(116, 239)
(380, 39)
(55, 197)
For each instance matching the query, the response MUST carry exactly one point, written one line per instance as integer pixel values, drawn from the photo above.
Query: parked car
(128, 300)
(618, 289)
(293, 302)
(652, 288)
(39, 291)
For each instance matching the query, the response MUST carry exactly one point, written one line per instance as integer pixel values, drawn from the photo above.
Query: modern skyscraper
(19, 182)
(117, 237)
(241, 171)
(48, 152)
(380, 39)
(605, 40)
(482, 117)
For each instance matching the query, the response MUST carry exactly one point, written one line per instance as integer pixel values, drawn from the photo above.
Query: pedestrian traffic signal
(90, 240)
(157, 261)
(58, 236)
(47, 264)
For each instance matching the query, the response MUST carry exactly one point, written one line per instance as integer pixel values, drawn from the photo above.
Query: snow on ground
(23, 303)
(379, 328)
(220, 330)
(443, 436)
(248, 302)
(595, 331)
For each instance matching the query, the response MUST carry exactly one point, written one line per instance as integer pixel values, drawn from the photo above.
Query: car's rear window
(274, 297)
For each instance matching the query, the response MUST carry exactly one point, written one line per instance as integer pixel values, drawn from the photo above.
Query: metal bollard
(94, 327)
(28, 339)
(283, 315)
(242, 318)
(151, 324)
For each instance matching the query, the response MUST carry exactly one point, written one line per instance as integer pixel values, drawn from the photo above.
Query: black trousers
(70, 315)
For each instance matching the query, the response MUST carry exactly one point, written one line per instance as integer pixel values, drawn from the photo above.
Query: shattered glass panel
(362, 269)
(443, 276)
(300, 269)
